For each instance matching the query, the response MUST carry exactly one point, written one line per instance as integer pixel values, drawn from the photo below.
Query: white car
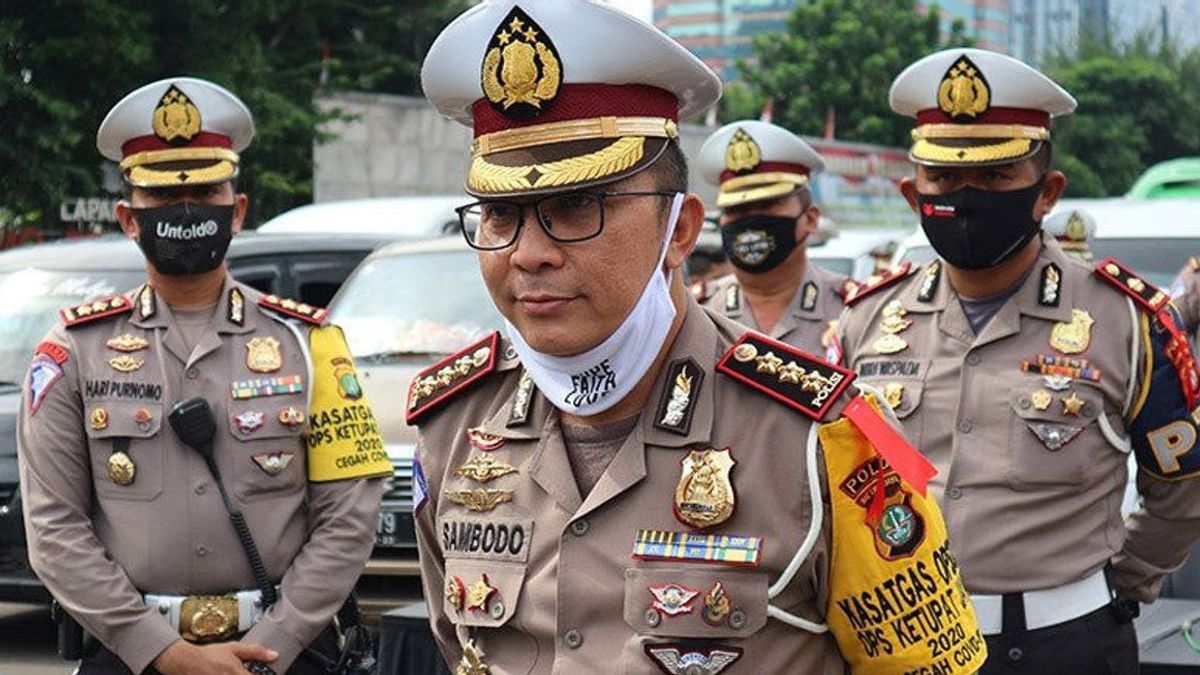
(417, 217)
(1155, 237)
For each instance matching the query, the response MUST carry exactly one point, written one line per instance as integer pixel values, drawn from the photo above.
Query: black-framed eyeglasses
(493, 224)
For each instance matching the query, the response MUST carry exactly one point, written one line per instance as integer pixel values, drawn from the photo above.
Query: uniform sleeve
(342, 511)
(56, 491)
(433, 564)
(1185, 294)
(1163, 434)
(342, 524)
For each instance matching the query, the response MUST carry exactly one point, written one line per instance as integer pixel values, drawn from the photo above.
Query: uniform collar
(697, 340)
(237, 301)
(1027, 298)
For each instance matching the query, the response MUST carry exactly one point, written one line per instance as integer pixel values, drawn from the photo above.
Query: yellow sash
(897, 605)
(343, 437)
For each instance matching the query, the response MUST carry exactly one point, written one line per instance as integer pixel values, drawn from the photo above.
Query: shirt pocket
(706, 607)
(1053, 437)
(268, 446)
(130, 427)
(482, 594)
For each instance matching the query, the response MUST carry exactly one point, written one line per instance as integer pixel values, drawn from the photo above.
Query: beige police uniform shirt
(806, 321)
(99, 546)
(1185, 293)
(1031, 469)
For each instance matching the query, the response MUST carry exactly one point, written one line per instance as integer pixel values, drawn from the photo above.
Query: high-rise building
(1042, 28)
(720, 31)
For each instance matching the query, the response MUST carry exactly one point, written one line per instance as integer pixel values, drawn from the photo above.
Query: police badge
(704, 496)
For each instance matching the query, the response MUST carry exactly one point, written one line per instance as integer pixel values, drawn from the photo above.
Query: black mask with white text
(975, 229)
(185, 238)
(759, 243)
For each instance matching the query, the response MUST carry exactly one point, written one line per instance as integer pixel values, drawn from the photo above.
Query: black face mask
(976, 229)
(759, 243)
(185, 238)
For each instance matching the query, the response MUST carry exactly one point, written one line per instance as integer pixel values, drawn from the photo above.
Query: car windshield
(32, 299)
(415, 304)
(1159, 260)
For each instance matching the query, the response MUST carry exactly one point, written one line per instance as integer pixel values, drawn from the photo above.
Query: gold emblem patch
(262, 355)
(1074, 336)
(121, 469)
(704, 496)
(127, 342)
(521, 70)
(963, 93)
(479, 499)
(483, 468)
(176, 119)
(893, 394)
(742, 154)
(125, 363)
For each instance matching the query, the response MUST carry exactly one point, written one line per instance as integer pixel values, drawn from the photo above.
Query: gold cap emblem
(521, 70)
(742, 154)
(176, 119)
(1076, 228)
(963, 93)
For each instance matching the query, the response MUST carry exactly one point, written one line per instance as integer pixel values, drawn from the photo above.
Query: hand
(222, 658)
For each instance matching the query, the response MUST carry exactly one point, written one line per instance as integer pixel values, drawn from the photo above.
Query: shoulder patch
(847, 288)
(1148, 296)
(443, 380)
(294, 310)
(788, 375)
(77, 315)
(878, 281)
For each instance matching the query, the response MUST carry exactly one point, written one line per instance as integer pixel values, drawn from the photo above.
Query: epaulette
(791, 376)
(77, 315)
(1144, 293)
(847, 288)
(293, 309)
(443, 380)
(878, 281)
(1194, 261)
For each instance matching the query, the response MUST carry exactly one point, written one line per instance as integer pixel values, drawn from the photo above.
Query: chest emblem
(125, 363)
(127, 342)
(262, 355)
(484, 468)
(704, 496)
(1074, 336)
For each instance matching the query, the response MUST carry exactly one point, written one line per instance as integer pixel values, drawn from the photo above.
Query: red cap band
(1026, 116)
(204, 139)
(585, 101)
(767, 167)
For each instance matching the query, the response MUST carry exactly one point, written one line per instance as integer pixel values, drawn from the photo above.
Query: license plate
(394, 529)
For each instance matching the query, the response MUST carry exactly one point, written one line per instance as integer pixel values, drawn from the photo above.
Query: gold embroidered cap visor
(756, 187)
(958, 151)
(566, 165)
(209, 166)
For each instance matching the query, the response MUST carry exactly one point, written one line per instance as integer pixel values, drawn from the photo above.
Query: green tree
(1137, 103)
(64, 63)
(840, 57)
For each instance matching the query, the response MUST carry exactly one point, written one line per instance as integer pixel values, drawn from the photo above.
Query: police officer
(631, 483)
(767, 217)
(1074, 230)
(127, 524)
(1027, 378)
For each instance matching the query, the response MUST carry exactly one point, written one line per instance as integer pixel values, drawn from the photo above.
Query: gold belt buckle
(206, 618)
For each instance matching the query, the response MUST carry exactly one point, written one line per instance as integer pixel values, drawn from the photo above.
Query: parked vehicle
(1174, 178)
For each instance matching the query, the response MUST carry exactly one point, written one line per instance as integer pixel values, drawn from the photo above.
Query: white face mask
(596, 380)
